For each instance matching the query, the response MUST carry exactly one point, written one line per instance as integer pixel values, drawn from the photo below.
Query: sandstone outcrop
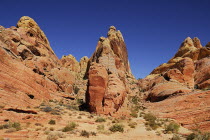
(189, 67)
(174, 88)
(30, 71)
(190, 110)
(107, 74)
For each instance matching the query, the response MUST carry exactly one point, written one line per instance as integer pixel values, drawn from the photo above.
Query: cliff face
(108, 74)
(30, 72)
(175, 87)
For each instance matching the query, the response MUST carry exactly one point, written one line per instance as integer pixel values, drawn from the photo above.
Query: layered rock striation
(179, 89)
(30, 72)
(108, 74)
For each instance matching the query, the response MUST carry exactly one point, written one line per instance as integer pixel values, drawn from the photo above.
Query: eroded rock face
(189, 67)
(173, 88)
(190, 110)
(97, 87)
(202, 73)
(107, 74)
(30, 72)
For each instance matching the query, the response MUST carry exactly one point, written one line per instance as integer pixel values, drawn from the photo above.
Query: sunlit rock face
(30, 71)
(179, 89)
(108, 74)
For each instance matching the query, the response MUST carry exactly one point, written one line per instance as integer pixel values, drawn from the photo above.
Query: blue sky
(153, 29)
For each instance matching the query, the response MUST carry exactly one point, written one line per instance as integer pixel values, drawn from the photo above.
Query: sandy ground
(36, 127)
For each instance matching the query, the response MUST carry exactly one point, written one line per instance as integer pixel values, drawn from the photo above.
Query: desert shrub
(55, 136)
(135, 100)
(80, 101)
(93, 133)
(176, 137)
(117, 127)
(79, 117)
(76, 89)
(47, 109)
(16, 125)
(116, 121)
(172, 127)
(5, 126)
(132, 124)
(100, 119)
(84, 133)
(198, 136)
(10, 125)
(38, 124)
(52, 122)
(151, 121)
(69, 127)
(100, 127)
(150, 117)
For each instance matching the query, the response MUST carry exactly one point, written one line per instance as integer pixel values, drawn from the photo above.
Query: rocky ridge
(108, 75)
(30, 71)
(177, 89)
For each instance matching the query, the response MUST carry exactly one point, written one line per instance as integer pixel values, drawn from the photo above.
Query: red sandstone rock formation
(170, 87)
(107, 74)
(30, 72)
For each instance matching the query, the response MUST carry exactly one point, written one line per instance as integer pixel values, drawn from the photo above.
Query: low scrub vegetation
(52, 122)
(69, 127)
(172, 127)
(198, 136)
(100, 119)
(85, 133)
(151, 121)
(117, 127)
(132, 124)
(14, 126)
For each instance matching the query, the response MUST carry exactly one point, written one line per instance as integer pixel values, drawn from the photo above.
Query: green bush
(52, 122)
(115, 121)
(150, 117)
(132, 124)
(117, 127)
(93, 133)
(198, 136)
(69, 127)
(151, 121)
(100, 127)
(135, 100)
(84, 133)
(100, 119)
(47, 109)
(9, 125)
(172, 127)
(16, 125)
(76, 89)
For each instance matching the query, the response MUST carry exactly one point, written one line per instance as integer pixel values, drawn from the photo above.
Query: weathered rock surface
(174, 87)
(107, 74)
(190, 110)
(30, 71)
